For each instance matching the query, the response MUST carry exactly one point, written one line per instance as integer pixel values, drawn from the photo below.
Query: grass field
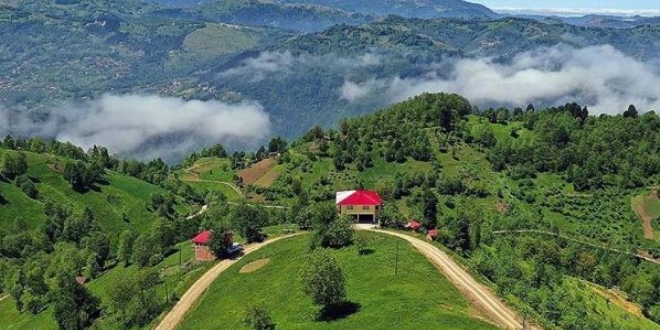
(417, 298)
(109, 201)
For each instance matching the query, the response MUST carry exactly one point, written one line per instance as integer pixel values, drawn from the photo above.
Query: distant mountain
(312, 76)
(298, 17)
(408, 8)
(316, 15)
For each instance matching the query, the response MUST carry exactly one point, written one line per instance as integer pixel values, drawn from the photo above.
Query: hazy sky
(591, 4)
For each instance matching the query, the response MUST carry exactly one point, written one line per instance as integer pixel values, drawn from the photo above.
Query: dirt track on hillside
(646, 218)
(176, 315)
(477, 293)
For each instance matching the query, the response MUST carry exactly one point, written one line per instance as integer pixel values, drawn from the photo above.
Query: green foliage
(330, 230)
(258, 318)
(134, 299)
(75, 308)
(13, 165)
(323, 280)
(248, 220)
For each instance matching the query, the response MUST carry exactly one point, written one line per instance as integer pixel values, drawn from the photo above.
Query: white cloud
(352, 92)
(147, 126)
(256, 68)
(600, 77)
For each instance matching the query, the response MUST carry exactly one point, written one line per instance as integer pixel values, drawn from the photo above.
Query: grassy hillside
(112, 199)
(417, 297)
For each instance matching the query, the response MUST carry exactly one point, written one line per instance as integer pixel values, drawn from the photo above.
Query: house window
(349, 207)
(365, 207)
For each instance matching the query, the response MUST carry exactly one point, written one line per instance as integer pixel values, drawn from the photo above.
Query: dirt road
(476, 292)
(172, 319)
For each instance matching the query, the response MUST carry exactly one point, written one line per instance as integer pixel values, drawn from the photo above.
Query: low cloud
(145, 127)
(600, 77)
(352, 92)
(256, 68)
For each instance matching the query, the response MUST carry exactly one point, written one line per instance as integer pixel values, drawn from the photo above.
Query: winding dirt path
(476, 292)
(238, 191)
(174, 317)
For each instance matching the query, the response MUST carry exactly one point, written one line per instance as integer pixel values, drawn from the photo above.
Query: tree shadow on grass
(366, 252)
(338, 311)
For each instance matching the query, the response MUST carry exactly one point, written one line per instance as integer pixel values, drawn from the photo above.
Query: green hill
(417, 297)
(480, 180)
(119, 202)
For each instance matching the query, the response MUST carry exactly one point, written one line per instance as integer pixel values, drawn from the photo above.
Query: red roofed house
(363, 205)
(432, 234)
(414, 225)
(201, 244)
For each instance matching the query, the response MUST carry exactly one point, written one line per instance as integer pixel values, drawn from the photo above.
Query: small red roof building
(414, 225)
(432, 234)
(358, 197)
(202, 238)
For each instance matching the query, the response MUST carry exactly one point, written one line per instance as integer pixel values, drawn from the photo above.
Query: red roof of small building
(433, 233)
(202, 238)
(413, 224)
(361, 197)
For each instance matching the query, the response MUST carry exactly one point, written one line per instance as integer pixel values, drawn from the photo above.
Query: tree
(631, 112)
(430, 204)
(74, 307)
(258, 318)
(218, 244)
(248, 220)
(323, 280)
(125, 249)
(13, 166)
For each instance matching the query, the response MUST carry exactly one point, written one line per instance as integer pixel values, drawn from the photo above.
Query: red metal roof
(413, 224)
(361, 197)
(202, 238)
(433, 233)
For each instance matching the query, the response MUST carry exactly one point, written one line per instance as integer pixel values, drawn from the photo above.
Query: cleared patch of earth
(639, 205)
(251, 174)
(254, 266)
(501, 206)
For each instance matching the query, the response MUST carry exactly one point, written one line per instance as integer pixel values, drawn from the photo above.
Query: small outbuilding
(432, 234)
(414, 225)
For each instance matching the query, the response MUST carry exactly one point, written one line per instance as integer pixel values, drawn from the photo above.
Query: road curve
(475, 291)
(176, 315)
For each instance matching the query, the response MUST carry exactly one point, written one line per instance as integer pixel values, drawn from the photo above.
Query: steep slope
(118, 201)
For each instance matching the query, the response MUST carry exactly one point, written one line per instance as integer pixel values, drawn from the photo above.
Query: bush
(258, 318)
(323, 280)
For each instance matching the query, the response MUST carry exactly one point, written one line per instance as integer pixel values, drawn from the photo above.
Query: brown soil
(251, 174)
(501, 206)
(253, 266)
(638, 206)
(267, 179)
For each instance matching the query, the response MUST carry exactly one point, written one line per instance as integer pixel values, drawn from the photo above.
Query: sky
(572, 4)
